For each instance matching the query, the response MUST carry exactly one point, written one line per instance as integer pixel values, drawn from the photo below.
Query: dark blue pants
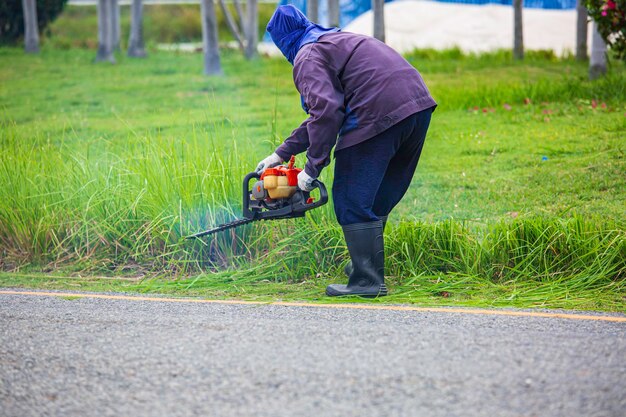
(372, 177)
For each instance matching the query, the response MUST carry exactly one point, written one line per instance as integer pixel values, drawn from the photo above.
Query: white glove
(305, 182)
(270, 161)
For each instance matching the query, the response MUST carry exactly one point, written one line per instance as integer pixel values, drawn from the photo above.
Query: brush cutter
(274, 196)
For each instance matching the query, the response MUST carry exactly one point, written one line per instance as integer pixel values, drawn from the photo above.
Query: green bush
(12, 18)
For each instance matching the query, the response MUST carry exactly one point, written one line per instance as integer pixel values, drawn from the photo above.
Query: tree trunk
(31, 30)
(230, 22)
(242, 18)
(518, 31)
(333, 13)
(252, 36)
(135, 41)
(116, 24)
(105, 31)
(311, 10)
(379, 19)
(581, 31)
(597, 63)
(210, 45)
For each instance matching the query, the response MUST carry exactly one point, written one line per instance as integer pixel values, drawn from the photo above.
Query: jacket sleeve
(296, 143)
(321, 90)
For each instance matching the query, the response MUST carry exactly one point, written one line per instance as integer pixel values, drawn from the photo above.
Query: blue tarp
(533, 4)
(348, 9)
(351, 9)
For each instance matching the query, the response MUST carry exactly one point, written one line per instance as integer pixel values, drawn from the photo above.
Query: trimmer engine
(275, 196)
(277, 183)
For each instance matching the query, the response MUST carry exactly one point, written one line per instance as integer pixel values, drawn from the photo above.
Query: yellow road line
(474, 311)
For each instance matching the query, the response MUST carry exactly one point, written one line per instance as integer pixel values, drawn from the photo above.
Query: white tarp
(414, 24)
(475, 28)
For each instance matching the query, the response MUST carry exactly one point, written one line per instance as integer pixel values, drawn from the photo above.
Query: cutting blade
(225, 226)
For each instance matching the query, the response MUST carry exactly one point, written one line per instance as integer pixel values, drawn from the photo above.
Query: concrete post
(518, 29)
(31, 29)
(379, 19)
(597, 63)
(105, 31)
(312, 10)
(252, 36)
(210, 46)
(581, 31)
(333, 13)
(135, 40)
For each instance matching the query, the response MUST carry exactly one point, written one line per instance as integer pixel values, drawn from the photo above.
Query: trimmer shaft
(226, 226)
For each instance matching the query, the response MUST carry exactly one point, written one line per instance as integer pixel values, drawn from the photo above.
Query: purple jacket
(353, 87)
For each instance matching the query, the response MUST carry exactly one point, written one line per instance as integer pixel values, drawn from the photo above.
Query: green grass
(427, 290)
(518, 200)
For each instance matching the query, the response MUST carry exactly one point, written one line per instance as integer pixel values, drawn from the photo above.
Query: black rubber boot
(367, 251)
(348, 268)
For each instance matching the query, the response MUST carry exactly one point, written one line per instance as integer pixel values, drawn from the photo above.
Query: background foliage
(610, 16)
(163, 23)
(12, 18)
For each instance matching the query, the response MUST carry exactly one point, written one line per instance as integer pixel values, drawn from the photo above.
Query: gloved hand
(270, 161)
(305, 182)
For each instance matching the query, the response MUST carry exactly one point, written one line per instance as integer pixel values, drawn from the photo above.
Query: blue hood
(290, 30)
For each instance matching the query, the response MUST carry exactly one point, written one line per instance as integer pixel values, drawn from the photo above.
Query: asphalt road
(102, 357)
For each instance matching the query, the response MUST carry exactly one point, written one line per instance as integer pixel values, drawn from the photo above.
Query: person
(365, 100)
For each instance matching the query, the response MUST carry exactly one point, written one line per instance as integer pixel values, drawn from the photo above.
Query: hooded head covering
(290, 30)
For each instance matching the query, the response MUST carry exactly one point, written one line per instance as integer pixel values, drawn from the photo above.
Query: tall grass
(112, 185)
(535, 249)
(134, 207)
(60, 206)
